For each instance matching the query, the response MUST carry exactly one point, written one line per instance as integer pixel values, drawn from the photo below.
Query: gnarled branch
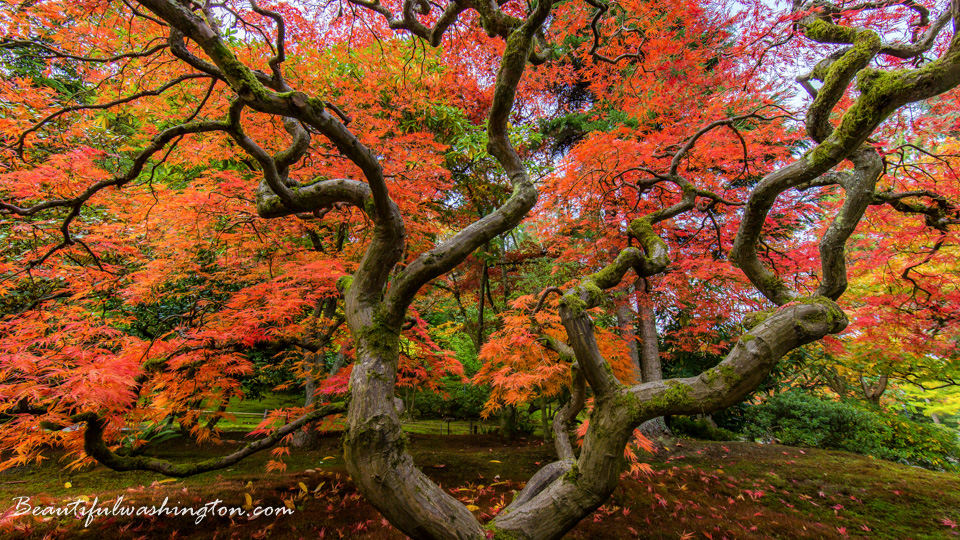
(95, 447)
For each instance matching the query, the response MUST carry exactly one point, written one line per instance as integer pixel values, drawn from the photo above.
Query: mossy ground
(696, 490)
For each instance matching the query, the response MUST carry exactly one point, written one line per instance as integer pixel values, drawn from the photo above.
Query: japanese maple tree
(286, 111)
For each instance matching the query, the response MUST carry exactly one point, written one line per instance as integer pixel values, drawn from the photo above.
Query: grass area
(248, 413)
(269, 401)
(695, 490)
(441, 427)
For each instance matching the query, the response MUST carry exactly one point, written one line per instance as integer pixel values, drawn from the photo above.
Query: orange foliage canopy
(169, 287)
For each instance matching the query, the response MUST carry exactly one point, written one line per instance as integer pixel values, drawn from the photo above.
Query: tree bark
(651, 368)
(307, 437)
(375, 450)
(873, 393)
(508, 422)
(481, 337)
(625, 320)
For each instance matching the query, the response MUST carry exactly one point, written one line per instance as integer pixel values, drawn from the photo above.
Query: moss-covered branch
(590, 479)
(881, 93)
(859, 188)
(865, 45)
(744, 368)
(453, 251)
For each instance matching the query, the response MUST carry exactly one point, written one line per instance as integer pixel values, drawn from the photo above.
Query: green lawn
(247, 414)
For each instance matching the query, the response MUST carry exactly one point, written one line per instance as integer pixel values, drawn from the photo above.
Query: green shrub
(926, 445)
(798, 419)
(694, 428)
(456, 400)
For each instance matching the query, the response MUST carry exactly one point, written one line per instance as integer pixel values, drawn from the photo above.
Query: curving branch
(881, 93)
(588, 481)
(258, 92)
(543, 298)
(838, 72)
(6, 43)
(939, 215)
(95, 447)
(602, 9)
(859, 188)
(178, 47)
(925, 41)
(281, 55)
(565, 421)
(410, 22)
(919, 43)
(21, 139)
(744, 368)
(453, 251)
(927, 258)
(76, 204)
(271, 171)
(576, 301)
(318, 195)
